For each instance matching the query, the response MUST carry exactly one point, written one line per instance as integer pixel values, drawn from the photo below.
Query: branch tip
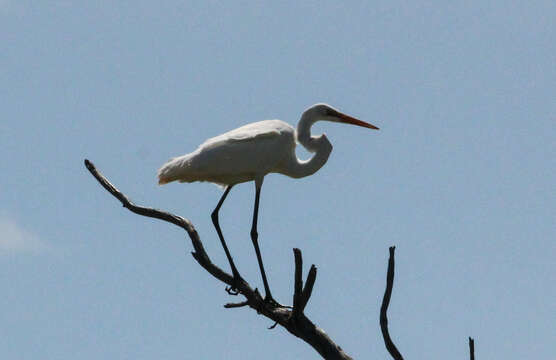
(396, 355)
(236, 305)
(308, 288)
(298, 283)
(471, 348)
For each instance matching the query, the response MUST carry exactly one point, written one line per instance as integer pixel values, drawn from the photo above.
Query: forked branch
(293, 320)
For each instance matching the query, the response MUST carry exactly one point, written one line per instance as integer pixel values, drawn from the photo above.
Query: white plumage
(249, 153)
(234, 157)
(254, 150)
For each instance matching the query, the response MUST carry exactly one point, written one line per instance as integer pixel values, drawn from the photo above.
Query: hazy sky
(461, 176)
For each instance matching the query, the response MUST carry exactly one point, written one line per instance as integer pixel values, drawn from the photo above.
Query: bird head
(326, 112)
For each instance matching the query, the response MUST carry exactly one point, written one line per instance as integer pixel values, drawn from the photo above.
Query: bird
(250, 152)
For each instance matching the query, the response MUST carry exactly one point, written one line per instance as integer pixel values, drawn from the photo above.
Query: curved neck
(304, 132)
(316, 144)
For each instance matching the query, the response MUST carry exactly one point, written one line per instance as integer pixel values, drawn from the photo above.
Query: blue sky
(460, 177)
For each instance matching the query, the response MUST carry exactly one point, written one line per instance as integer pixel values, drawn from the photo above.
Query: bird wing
(258, 130)
(233, 157)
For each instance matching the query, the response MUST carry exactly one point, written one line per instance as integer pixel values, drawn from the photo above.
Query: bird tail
(168, 172)
(162, 181)
(174, 169)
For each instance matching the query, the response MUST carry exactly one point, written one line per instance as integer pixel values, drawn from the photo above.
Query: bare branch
(200, 255)
(298, 283)
(302, 293)
(471, 348)
(236, 305)
(301, 327)
(308, 288)
(384, 308)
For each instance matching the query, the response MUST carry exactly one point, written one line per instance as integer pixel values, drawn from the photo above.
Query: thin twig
(384, 308)
(298, 283)
(308, 288)
(236, 305)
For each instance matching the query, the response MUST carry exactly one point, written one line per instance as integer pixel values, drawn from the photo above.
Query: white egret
(249, 153)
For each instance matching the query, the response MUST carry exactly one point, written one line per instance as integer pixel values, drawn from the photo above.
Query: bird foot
(269, 300)
(233, 289)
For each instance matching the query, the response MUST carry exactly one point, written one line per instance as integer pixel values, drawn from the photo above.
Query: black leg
(254, 238)
(214, 217)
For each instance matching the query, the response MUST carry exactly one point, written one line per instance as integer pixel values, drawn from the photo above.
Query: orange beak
(353, 121)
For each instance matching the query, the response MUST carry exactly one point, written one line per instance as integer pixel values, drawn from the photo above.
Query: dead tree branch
(293, 320)
(384, 308)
